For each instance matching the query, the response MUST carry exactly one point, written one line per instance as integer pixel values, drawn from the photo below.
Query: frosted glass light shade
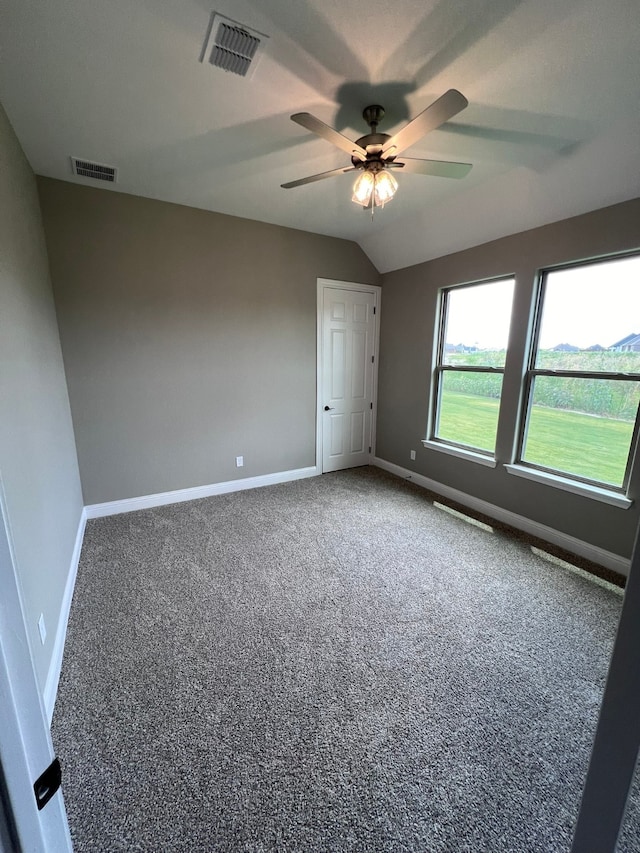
(381, 185)
(363, 188)
(385, 187)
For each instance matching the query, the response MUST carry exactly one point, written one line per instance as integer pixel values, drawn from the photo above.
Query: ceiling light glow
(374, 189)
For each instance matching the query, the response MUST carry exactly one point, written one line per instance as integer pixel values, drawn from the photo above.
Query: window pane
(582, 426)
(591, 318)
(478, 317)
(468, 411)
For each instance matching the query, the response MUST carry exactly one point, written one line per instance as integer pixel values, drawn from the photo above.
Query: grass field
(591, 447)
(613, 399)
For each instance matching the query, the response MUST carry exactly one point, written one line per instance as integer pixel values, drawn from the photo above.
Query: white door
(348, 344)
(26, 750)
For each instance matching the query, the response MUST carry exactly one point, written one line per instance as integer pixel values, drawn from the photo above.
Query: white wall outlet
(42, 628)
(413, 454)
(239, 461)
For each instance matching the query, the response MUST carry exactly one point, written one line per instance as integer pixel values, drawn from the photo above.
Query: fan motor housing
(372, 139)
(377, 139)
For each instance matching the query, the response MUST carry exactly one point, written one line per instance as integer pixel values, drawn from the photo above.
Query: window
(471, 351)
(583, 381)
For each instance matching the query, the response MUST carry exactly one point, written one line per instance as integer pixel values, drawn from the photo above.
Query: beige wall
(189, 338)
(407, 337)
(38, 465)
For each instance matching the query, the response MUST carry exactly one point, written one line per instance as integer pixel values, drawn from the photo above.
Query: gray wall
(38, 463)
(189, 338)
(407, 336)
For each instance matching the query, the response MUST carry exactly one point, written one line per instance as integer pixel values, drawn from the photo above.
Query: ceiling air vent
(97, 171)
(232, 46)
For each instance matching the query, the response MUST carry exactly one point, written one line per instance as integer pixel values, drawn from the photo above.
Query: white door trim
(363, 288)
(25, 742)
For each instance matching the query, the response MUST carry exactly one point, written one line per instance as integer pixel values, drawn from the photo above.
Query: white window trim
(460, 452)
(556, 478)
(439, 368)
(598, 493)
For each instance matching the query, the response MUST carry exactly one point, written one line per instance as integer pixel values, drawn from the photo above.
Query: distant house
(629, 344)
(459, 348)
(565, 348)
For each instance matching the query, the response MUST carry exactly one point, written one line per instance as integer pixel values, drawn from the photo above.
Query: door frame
(328, 283)
(26, 749)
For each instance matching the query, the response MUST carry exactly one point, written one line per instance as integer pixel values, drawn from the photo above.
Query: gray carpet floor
(332, 664)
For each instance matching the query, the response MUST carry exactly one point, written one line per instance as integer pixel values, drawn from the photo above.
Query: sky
(593, 304)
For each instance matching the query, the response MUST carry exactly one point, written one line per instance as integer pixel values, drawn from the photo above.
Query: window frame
(478, 454)
(532, 372)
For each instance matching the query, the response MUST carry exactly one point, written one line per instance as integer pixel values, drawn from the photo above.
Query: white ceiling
(552, 127)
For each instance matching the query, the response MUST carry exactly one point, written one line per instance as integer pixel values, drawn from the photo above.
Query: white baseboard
(549, 534)
(55, 666)
(192, 494)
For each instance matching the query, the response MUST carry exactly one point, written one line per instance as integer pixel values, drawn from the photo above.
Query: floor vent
(461, 515)
(589, 576)
(232, 46)
(96, 171)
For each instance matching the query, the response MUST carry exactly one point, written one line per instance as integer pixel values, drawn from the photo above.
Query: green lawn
(585, 445)
(468, 419)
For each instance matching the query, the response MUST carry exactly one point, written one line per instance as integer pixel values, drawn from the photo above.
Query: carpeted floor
(332, 664)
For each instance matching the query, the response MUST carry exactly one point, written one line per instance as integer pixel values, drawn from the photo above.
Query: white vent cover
(96, 171)
(232, 46)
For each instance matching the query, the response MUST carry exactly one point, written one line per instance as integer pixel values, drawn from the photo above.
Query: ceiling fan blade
(314, 124)
(447, 105)
(319, 177)
(439, 168)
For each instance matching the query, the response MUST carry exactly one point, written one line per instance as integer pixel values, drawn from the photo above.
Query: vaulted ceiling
(552, 127)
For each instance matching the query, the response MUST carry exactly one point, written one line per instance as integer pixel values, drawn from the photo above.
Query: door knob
(329, 408)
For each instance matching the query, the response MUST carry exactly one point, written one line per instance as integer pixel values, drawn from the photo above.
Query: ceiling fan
(375, 154)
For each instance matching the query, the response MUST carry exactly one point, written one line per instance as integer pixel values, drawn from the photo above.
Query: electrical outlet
(413, 455)
(42, 628)
(239, 461)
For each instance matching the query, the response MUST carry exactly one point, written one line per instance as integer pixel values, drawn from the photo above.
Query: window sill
(597, 493)
(461, 453)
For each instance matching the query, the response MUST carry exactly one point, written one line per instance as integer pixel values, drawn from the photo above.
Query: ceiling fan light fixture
(379, 187)
(385, 188)
(363, 188)
(374, 154)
